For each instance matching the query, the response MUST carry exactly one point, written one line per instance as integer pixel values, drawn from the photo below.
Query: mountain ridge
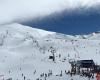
(43, 33)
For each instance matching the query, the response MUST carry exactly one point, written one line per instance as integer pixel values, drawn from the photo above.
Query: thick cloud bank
(19, 10)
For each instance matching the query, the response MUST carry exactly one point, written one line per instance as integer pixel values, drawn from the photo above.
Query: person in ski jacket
(98, 76)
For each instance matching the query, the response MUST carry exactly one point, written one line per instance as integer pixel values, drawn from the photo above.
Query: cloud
(20, 10)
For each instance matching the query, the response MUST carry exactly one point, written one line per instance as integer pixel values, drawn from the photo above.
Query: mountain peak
(22, 29)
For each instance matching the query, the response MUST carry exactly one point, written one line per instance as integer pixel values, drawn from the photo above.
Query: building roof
(85, 63)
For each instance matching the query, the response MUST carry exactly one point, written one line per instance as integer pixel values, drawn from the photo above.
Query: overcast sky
(28, 11)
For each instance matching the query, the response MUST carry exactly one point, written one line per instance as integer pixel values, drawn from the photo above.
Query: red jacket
(98, 76)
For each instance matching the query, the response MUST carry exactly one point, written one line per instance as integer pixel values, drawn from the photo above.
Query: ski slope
(25, 51)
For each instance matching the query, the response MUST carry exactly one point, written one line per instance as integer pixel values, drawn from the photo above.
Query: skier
(24, 77)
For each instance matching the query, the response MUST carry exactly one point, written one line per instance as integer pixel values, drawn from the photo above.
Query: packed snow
(25, 52)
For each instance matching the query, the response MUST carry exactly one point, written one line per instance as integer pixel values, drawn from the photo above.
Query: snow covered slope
(25, 52)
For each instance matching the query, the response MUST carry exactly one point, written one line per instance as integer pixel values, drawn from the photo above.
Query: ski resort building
(85, 63)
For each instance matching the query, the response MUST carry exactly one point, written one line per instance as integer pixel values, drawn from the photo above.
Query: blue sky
(76, 23)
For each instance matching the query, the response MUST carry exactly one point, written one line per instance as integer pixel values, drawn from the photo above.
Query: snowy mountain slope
(25, 51)
(22, 30)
